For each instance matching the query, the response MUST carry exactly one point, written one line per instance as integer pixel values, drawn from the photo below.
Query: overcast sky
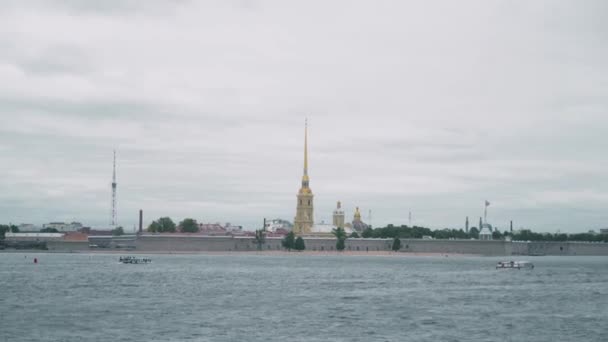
(428, 106)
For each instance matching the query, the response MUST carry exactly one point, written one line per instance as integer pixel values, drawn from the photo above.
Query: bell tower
(338, 219)
(304, 220)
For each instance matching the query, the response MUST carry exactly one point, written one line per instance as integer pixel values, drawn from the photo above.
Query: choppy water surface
(79, 297)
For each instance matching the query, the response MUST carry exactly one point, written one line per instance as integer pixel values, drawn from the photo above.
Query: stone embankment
(176, 243)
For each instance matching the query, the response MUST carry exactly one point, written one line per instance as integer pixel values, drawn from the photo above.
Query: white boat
(134, 260)
(514, 265)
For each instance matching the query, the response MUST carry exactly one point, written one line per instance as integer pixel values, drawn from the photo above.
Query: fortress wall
(568, 248)
(587, 248)
(559, 248)
(519, 248)
(548, 248)
(368, 244)
(224, 244)
(203, 244)
(329, 244)
(188, 244)
(237, 244)
(457, 246)
(67, 246)
(160, 243)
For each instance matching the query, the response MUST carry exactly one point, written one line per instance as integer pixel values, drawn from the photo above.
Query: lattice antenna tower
(113, 218)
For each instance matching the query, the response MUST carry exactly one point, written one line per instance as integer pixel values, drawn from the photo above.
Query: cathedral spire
(306, 147)
(304, 220)
(305, 175)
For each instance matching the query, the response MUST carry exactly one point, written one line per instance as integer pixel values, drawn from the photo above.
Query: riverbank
(177, 244)
(261, 253)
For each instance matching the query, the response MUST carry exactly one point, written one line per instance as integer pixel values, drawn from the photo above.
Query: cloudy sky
(428, 106)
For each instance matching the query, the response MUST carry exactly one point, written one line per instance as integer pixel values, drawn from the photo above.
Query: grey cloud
(432, 108)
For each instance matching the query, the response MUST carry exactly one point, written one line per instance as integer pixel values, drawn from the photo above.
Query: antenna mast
(113, 219)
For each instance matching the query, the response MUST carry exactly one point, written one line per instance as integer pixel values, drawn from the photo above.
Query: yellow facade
(304, 220)
(338, 217)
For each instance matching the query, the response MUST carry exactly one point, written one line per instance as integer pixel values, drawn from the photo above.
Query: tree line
(290, 242)
(5, 228)
(166, 225)
(415, 232)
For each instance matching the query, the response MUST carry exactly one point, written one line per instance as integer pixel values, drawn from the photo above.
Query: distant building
(211, 229)
(338, 218)
(278, 224)
(217, 229)
(233, 230)
(96, 232)
(486, 232)
(604, 231)
(75, 236)
(33, 236)
(28, 227)
(281, 231)
(358, 225)
(63, 227)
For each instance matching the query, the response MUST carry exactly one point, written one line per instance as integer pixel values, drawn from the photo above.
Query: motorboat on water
(514, 265)
(134, 260)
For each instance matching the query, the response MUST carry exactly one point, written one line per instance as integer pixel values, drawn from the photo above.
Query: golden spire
(306, 147)
(305, 185)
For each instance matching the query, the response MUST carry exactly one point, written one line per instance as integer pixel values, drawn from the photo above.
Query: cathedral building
(358, 225)
(304, 220)
(303, 223)
(338, 218)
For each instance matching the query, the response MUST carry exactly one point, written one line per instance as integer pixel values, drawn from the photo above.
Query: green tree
(162, 225)
(396, 244)
(354, 235)
(299, 244)
(289, 241)
(340, 245)
(340, 235)
(49, 230)
(474, 233)
(188, 225)
(3, 230)
(118, 231)
(154, 227)
(167, 224)
(8, 229)
(367, 233)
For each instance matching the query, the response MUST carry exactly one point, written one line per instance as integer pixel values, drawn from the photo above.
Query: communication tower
(113, 218)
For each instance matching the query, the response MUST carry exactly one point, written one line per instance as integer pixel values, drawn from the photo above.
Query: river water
(294, 297)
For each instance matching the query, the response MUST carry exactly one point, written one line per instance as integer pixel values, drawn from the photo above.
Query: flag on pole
(487, 203)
